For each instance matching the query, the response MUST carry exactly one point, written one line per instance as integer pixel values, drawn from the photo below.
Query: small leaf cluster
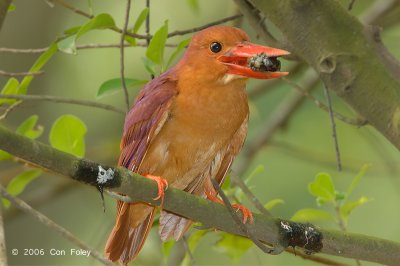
(325, 193)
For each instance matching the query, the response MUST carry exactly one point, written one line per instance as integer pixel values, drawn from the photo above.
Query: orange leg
(162, 185)
(247, 215)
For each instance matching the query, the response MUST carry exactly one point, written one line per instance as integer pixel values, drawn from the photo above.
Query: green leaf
(68, 45)
(11, 8)
(139, 22)
(348, 207)
(11, 87)
(141, 18)
(357, 178)
(272, 203)
(233, 246)
(192, 242)
(322, 187)
(67, 134)
(166, 250)
(101, 21)
(182, 45)
(27, 128)
(18, 183)
(5, 155)
(72, 30)
(155, 51)
(40, 62)
(308, 215)
(114, 85)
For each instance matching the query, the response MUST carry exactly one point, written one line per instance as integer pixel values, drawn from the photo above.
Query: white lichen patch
(104, 175)
(309, 230)
(286, 226)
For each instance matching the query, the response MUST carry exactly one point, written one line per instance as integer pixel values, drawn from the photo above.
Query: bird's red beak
(247, 59)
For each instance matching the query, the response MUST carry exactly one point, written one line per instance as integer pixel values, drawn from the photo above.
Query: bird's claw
(162, 185)
(247, 215)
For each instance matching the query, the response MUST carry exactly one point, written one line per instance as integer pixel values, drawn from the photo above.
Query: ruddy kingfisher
(186, 127)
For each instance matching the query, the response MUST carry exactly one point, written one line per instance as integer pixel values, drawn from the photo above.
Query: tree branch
(56, 99)
(78, 47)
(122, 58)
(20, 74)
(4, 4)
(353, 62)
(267, 229)
(51, 224)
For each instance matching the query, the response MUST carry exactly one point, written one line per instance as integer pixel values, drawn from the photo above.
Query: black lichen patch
(263, 63)
(88, 172)
(301, 235)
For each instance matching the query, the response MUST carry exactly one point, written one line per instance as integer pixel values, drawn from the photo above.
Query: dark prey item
(262, 63)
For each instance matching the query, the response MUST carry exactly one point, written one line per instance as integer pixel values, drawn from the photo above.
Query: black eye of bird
(215, 47)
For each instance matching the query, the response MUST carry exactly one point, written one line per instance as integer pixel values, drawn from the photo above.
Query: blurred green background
(296, 153)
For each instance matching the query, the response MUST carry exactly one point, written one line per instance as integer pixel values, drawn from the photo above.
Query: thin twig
(20, 74)
(256, 21)
(56, 99)
(148, 24)
(119, 197)
(243, 227)
(78, 47)
(148, 30)
(315, 258)
(352, 121)
(378, 10)
(188, 251)
(195, 29)
(74, 9)
(256, 202)
(51, 224)
(350, 7)
(333, 126)
(9, 109)
(125, 89)
(342, 225)
(148, 36)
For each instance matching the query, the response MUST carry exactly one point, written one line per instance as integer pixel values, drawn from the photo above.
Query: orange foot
(162, 185)
(247, 215)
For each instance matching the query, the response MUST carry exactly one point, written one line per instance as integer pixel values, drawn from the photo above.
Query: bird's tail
(131, 228)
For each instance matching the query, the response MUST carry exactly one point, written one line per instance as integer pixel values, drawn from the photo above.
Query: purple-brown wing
(146, 118)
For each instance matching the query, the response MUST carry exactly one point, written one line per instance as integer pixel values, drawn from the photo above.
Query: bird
(185, 128)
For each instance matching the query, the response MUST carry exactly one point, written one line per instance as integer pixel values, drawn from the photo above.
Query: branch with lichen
(351, 61)
(277, 232)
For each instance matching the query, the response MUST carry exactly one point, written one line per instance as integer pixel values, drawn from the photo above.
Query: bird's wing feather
(233, 149)
(145, 120)
(142, 124)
